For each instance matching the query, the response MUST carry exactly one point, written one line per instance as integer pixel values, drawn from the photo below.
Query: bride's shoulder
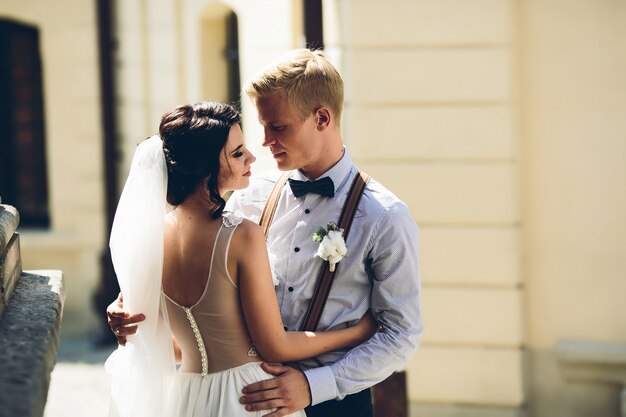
(247, 239)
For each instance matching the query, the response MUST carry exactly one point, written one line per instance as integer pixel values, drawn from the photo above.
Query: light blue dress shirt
(379, 272)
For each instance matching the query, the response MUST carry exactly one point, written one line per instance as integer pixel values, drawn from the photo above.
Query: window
(23, 179)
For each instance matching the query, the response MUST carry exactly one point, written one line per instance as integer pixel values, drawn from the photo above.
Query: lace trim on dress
(230, 219)
(199, 340)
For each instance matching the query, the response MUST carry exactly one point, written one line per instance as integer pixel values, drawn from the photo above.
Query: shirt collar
(338, 172)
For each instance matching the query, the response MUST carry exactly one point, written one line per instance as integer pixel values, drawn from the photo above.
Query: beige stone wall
(430, 112)
(68, 41)
(573, 75)
(575, 142)
(501, 124)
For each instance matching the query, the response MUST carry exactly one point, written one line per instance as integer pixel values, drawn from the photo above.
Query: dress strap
(230, 221)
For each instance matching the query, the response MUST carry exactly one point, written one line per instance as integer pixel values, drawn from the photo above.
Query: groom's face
(293, 141)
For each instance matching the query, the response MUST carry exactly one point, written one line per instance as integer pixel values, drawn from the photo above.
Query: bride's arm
(261, 311)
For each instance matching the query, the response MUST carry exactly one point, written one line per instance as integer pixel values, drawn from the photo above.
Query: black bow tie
(323, 186)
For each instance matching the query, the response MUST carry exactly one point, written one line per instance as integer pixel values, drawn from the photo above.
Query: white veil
(142, 370)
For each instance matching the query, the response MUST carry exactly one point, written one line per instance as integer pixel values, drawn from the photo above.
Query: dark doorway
(23, 175)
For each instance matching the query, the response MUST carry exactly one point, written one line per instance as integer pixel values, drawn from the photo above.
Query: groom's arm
(395, 301)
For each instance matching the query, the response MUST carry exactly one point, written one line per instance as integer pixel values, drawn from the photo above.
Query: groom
(299, 101)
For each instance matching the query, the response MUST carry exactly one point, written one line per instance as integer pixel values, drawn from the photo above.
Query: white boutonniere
(273, 260)
(332, 247)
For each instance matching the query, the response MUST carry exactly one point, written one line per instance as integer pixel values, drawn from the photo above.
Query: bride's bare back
(202, 299)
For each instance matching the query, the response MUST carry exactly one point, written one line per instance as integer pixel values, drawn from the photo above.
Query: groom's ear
(323, 117)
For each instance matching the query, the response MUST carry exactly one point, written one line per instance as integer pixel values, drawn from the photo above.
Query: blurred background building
(502, 124)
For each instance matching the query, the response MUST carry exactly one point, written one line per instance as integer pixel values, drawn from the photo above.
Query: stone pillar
(31, 306)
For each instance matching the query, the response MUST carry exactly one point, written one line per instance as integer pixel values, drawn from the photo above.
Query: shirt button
(307, 211)
(296, 249)
(290, 289)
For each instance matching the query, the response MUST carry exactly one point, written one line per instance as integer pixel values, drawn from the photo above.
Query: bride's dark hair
(193, 137)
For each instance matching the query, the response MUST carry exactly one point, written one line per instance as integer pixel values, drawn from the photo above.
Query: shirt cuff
(322, 384)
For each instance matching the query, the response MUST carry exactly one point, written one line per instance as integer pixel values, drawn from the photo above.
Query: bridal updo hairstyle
(193, 137)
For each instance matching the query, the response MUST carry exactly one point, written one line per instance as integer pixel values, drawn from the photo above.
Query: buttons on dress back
(199, 341)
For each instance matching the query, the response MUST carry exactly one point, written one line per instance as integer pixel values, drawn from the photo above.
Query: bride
(201, 276)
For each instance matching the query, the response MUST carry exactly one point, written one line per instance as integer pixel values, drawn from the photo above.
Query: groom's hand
(121, 322)
(288, 392)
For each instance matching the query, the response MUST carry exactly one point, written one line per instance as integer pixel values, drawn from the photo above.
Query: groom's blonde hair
(308, 79)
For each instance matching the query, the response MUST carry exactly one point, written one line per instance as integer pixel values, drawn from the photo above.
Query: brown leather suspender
(272, 203)
(325, 280)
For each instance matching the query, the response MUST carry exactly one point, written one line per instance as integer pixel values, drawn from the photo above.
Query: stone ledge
(460, 410)
(599, 362)
(29, 340)
(593, 361)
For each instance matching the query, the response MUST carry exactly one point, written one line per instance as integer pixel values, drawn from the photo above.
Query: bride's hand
(367, 326)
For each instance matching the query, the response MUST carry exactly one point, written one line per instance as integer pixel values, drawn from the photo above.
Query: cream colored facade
(500, 123)
(573, 91)
(75, 241)
(432, 113)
